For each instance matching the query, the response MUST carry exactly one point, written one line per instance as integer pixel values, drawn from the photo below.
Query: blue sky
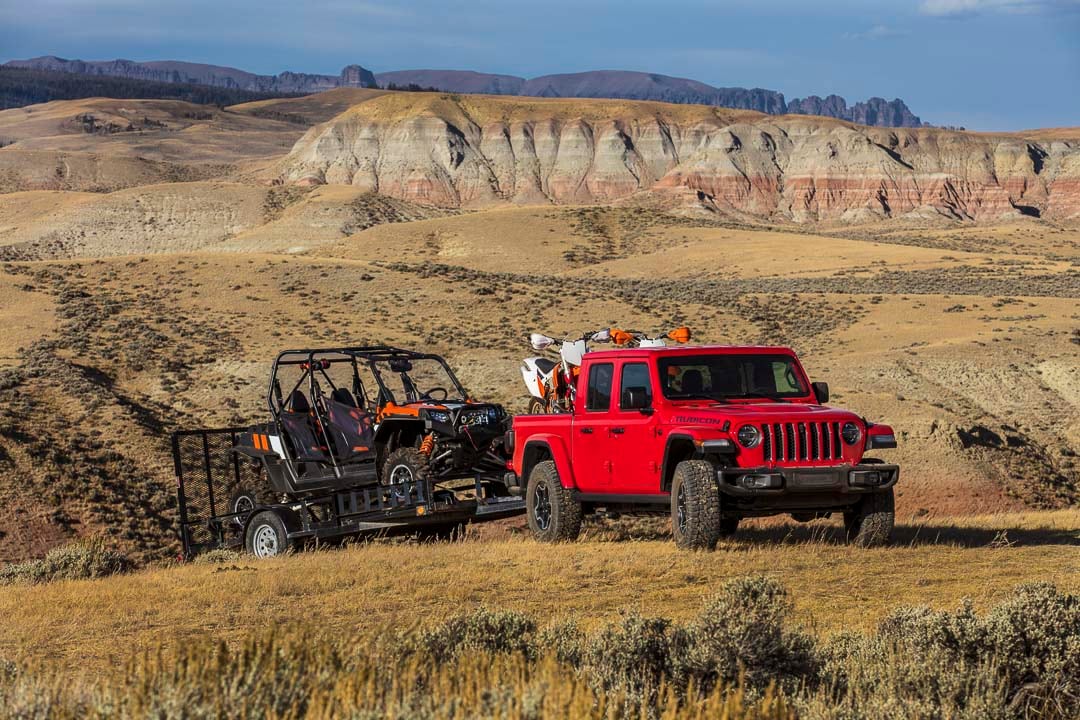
(984, 64)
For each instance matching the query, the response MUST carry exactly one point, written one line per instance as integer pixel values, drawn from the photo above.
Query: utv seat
(299, 428)
(349, 427)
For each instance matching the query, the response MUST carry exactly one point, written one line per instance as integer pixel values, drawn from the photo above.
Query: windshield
(723, 377)
(411, 380)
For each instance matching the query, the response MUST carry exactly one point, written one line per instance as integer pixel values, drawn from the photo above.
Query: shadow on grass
(914, 535)
(831, 532)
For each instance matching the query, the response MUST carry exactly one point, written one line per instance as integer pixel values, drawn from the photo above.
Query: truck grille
(792, 442)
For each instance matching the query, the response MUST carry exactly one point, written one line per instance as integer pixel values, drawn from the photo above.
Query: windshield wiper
(698, 396)
(751, 396)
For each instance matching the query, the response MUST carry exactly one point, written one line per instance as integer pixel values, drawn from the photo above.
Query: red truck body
(750, 412)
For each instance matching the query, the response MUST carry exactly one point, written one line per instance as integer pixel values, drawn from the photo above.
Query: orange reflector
(420, 509)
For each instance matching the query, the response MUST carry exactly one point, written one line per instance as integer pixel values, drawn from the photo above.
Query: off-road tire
(695, 506)
(537, 406)
(405, 459)
(266, 535)
(561, 520)
(870, 522)
(243, 501)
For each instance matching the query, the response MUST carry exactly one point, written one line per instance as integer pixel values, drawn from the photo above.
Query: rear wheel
(695, 506)
(266, 535)
(554, 515)
(870, 522)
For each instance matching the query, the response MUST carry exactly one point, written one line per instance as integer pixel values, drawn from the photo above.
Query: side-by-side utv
(359, 438)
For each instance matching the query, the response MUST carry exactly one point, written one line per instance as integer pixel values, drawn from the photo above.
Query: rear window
(598, 396)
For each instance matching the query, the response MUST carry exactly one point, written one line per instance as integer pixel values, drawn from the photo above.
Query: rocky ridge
(458, 151)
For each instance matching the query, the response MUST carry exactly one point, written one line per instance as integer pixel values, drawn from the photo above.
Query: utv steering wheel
(427, 394)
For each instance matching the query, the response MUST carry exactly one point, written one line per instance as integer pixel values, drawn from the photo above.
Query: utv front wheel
(405, 465)
(870, 522)
(554, 515)
(266, 535)
(695, 506)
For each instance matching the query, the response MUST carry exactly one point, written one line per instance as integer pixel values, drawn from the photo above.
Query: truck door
(636, 425)
(593, 449)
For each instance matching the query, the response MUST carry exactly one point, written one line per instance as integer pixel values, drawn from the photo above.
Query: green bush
(80, 560)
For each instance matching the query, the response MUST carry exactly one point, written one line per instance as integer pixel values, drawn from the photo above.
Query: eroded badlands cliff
(457, 151)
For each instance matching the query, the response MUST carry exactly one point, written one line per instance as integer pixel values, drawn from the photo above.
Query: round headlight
(749, 436)
(850, 433)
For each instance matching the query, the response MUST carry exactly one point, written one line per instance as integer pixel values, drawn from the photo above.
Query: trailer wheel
(695, 506)
(870, 522)
(266, 535)
(554, 515)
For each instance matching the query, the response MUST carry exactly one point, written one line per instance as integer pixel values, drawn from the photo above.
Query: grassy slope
(86, 626)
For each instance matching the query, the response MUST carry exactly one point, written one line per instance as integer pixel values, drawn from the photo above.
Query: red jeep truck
(711, 435)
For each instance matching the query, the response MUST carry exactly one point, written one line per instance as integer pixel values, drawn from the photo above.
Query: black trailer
(226, 500)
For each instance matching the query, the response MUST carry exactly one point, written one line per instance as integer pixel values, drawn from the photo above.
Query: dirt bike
(552, 383)
(637, 338)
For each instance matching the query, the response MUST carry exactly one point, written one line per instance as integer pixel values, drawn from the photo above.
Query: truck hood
(710, 413)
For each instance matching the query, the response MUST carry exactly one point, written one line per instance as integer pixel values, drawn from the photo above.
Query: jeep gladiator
(711, 435)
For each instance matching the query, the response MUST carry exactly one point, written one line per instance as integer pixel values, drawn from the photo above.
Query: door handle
(586, 431)
(617, 431)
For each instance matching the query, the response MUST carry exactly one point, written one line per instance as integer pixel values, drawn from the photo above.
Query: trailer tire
(266, 535)
(870, 522)
(554, 515)
(695, 505)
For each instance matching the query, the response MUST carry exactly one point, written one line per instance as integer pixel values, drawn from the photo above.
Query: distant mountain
(594, 84)
(651, 86)
(173, 71)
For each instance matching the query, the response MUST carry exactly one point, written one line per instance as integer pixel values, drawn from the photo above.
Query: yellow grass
(89, 626)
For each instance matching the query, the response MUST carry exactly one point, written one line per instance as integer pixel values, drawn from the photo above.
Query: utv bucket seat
(349, 427)
(297, 420)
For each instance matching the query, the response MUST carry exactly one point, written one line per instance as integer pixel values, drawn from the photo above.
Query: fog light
(760, 481)
(866, 477)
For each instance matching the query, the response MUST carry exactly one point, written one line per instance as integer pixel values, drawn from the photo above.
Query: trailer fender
(546, 446)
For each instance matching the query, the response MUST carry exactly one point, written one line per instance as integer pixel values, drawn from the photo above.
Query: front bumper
(843, 479)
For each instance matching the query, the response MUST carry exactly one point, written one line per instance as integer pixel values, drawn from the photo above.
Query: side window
(635, 376)
(598, 396)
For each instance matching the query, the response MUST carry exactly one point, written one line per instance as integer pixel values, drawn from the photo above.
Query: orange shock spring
(427, 445)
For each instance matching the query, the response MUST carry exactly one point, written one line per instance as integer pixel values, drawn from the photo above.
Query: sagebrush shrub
(78, 561)
(496, 631)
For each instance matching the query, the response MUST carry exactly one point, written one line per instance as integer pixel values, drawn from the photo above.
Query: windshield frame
(667, 360)
(384, 361)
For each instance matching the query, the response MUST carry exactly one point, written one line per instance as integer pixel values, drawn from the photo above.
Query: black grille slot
(837, 448)
(778, 437)
(789, 441)
(766, 441)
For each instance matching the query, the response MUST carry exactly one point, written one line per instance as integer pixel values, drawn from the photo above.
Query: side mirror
(821, 392)
(540, 342)
(635, 398)
(680, 334)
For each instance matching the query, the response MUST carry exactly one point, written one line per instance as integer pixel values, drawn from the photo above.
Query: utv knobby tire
(266, 535)
(409, 463)
(695, 505)
(554, 515)
(870, 522)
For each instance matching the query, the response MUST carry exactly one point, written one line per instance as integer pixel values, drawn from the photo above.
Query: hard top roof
(693, 350)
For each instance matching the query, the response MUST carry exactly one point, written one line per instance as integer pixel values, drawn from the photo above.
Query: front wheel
(266, 535)
(695, 506)
(554, 515)
(537, 406)
(870, 522)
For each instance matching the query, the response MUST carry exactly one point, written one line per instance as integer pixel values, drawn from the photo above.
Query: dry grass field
(148, 274)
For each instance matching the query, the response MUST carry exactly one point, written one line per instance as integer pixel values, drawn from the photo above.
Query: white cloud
(960, 8)
(877, 32)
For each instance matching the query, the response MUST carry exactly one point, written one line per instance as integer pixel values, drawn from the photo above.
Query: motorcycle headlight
(749, 436)
(851, 433)
(438, 416)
